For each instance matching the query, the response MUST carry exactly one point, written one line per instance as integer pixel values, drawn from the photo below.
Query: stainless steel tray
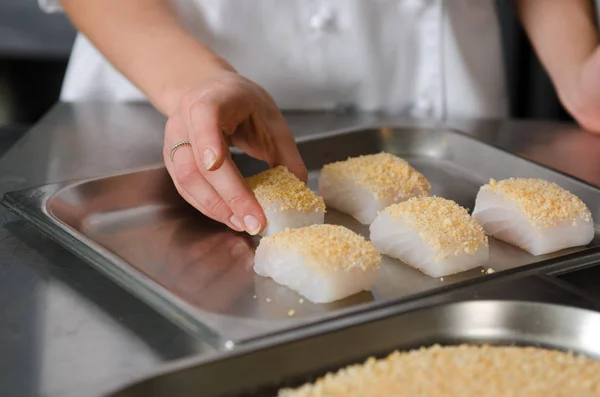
(136, 229)
(261, 371)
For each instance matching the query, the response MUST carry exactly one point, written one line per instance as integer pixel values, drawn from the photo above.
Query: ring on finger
(177, 146)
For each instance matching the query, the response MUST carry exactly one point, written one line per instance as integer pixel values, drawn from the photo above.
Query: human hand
(221, 110)
(581, 96)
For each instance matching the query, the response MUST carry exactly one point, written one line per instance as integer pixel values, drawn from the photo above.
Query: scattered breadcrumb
(301, 300)
(268, 300)
(280, 187)
(490, 271)
(465, 371)
(328, 248)
(383, 174)
(441, 278)
(292, 313)
(542, 203)
(254, 297)
(444, 225)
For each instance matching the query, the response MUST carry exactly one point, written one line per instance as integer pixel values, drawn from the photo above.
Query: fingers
(288, 154)
(219, 113)
(231, 186)
(207, 118)
(272, 142)
(207, 135)
(189, 181)
(196, 190)
(205, 174)
(221, 194)
(255, 142)
(284, 150)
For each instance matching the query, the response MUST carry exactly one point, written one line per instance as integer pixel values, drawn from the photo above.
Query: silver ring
(177, 146)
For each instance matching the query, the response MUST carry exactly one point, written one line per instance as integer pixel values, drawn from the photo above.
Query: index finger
(286, 149)
(231, 186)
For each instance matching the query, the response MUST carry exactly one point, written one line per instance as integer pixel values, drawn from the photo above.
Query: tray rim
(172, 307)
(195, 362)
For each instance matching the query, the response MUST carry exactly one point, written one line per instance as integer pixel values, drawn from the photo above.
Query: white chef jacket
(426, 58)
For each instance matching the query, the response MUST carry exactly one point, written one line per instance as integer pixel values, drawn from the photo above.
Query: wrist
(187, 74)
(179, 62)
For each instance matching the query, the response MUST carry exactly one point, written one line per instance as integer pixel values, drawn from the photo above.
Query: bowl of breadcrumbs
(463, 371)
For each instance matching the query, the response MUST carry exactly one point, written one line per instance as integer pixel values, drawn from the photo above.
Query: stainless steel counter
(65, 330)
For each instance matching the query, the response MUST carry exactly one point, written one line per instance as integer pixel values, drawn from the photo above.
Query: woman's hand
(225, 109)
(582, 97)
(207, 102)
(565, 38)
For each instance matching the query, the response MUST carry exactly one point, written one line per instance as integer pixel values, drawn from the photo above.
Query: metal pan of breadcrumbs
(462, 371)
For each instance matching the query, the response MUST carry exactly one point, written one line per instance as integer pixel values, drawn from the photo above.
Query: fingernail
(210, 158)
(252, 224)
(234, 220)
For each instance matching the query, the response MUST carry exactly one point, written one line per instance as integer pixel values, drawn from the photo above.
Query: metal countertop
(66, 330)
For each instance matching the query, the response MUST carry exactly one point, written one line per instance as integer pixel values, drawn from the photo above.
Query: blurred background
(34, 52)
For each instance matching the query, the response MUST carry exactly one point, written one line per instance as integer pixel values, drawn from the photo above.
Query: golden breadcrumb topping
(542, 203)
(329, 248)
(444, 225)
(280, 187)
(384, 174)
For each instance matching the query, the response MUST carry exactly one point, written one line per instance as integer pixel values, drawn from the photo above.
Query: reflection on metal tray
(135, 228)
(261, 371)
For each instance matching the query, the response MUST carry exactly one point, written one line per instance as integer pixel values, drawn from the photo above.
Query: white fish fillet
(323, 263)
(286, 201)
(353, 200)
(431, 234)
(278, 220)
(535, 215)
(362, 186)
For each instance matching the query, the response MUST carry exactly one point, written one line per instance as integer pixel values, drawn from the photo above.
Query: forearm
(146, 42)
(564, 36)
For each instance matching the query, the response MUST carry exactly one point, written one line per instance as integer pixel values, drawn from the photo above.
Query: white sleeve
(50, 6)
